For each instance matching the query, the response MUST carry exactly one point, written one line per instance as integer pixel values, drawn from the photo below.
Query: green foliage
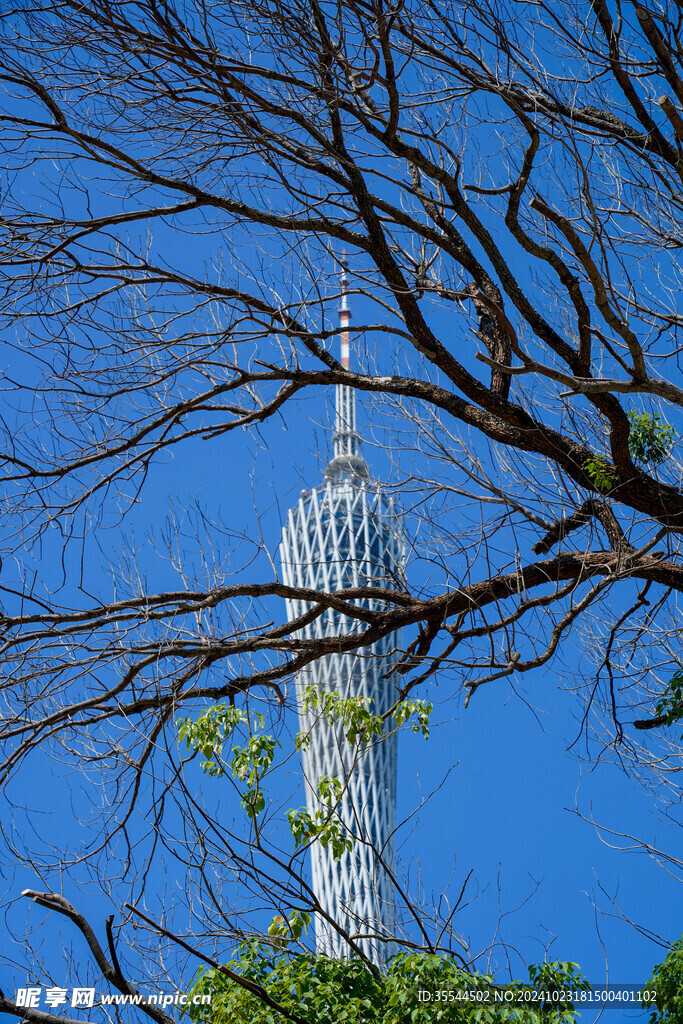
(354, 714)
(208, 734)
(417, 988)
(600, 472)
(286, 929)
(557, 978)
(250, 762)
(324, 825)
(649, 441)
(671, 701)
(667, 982)
(421, 709)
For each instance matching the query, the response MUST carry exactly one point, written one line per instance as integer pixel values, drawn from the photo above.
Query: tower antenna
(347, 443)
(344, 315)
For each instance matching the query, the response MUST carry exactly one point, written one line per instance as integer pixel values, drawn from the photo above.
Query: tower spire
(344, 314)
(347, 443)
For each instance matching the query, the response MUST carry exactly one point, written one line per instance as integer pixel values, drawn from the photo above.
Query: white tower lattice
(344, 534)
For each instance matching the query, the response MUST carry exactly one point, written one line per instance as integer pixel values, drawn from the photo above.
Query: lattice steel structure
(348, 533)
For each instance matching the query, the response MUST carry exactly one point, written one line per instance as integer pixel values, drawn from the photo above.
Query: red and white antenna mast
(346, 440)
(344, 316)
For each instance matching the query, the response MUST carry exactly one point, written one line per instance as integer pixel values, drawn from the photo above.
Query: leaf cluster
(250, 761)
(667, 981)
(649, 440)
(324, 824)
(208, 733)
(317, 989)
(285, 929)
(355, 715)
(670, 703)
(600, 472)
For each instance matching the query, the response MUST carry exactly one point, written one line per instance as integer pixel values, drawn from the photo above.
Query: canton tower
(347, 533)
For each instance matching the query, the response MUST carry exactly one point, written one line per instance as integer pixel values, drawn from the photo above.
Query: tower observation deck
(348, 533)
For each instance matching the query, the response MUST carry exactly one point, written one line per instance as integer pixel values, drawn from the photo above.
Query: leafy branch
(324, 824)
(354, 714)
(649, 441)
(250, 761)
(670, 704)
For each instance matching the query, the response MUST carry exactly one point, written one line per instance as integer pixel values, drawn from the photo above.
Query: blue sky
(506, 783)
(507, 773)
